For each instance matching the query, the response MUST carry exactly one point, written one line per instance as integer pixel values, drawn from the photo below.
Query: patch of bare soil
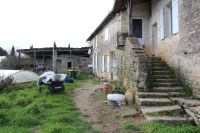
(104, 117)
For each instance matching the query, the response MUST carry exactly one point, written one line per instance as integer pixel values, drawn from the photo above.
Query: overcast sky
(41, 22)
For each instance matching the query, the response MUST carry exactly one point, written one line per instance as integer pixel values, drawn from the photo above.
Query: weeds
(156, 127)
(130, 127)
(24, 107)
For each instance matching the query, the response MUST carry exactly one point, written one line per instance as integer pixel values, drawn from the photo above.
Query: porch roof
(118, 6)
(48, 51)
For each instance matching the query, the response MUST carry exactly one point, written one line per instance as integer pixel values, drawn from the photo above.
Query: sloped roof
(118, 6)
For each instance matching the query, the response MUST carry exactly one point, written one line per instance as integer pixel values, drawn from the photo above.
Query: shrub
(5, 82)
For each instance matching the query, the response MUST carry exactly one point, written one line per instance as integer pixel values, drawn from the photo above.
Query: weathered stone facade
(59, 59)
(188, 50)
(176, 41)
(77, 62)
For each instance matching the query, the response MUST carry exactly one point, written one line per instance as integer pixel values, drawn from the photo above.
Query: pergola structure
(53, 53)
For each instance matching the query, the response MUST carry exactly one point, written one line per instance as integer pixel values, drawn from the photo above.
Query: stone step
(157, 84)
(169, 119)
(147, 109)
(160, 94)
(162, 72)
(176, 94)
(159, 64)
(166, 80)
(186, 102)
(159, 68)
(168, 76)
(173, 83)
(155, 101)
(138, 48)
(152, 95)
(155, 57)
(139, 52)
(167, 89)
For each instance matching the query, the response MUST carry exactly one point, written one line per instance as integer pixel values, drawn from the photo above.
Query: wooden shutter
(102, 63)
(93, 61)
(96, 63)
(108, 64)
(161, 25)
(175, 26)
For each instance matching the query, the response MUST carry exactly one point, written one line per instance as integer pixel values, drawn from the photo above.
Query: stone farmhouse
(137, 33)
(59, 59)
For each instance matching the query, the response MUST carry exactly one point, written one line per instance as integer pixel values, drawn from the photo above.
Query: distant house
(59, 59)
(163, 28)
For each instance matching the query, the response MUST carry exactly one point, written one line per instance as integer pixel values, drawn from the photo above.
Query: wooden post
(34, 60)
(54, 57)
(43, 59)
(19, 56)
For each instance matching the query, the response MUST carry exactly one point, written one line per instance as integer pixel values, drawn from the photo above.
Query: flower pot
(107, 88)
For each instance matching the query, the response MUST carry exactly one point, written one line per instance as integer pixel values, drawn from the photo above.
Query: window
(169, 19)
(69, 65)
(108, 64)
(105, 63)
(102, 65)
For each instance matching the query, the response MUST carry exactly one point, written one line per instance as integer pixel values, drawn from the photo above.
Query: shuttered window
(175, 25)
(161, 24)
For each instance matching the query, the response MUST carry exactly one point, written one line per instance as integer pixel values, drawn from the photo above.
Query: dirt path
(103, 117)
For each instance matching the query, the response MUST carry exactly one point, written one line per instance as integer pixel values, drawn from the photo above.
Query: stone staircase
(156, 104)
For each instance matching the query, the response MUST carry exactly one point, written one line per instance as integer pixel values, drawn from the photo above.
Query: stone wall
(78, 62)
(188, 50)
(106, 47)
(181, 50)
(132, 64)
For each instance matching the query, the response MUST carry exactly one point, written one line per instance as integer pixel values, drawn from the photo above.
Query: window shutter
(96, 64)
(108, 64)
(161, 24)
(175, 26)
(102, 63)
(96, 41)
(93, 59)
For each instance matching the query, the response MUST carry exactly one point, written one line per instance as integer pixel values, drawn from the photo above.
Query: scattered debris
(54, 81)
(118, 99)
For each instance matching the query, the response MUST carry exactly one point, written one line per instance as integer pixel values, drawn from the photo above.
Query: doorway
(138, 29)
(154, 39)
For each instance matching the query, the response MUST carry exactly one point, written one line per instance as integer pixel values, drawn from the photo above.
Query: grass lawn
(24, 109)
(157, 127)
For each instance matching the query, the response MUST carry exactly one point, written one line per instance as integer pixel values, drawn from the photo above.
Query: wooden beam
(34, 60)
